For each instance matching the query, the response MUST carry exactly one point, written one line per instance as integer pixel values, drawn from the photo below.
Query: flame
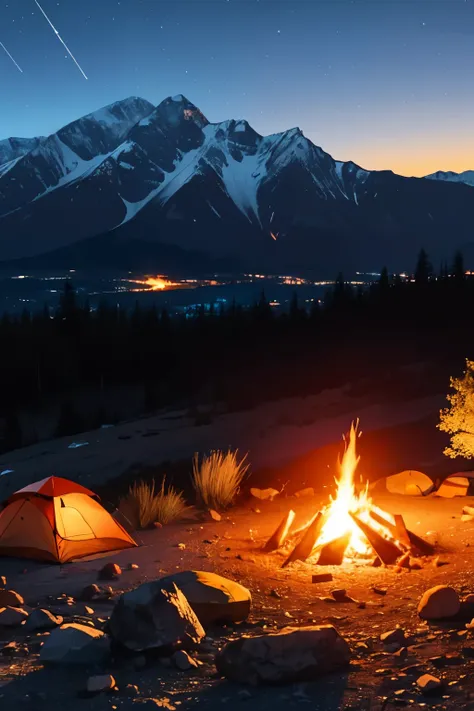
(347, 500)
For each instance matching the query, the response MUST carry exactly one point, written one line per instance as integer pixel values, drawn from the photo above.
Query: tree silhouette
(423, 270)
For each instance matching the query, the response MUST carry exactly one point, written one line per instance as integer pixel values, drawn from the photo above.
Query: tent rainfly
(57, 520)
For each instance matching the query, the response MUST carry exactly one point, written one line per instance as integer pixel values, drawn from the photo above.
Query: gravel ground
(376, 679)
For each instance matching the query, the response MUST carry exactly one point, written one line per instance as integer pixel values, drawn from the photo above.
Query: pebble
(183, 661)
(110, 571)
(90, 592)
(429, 684)
(396, 636)
(97, 684)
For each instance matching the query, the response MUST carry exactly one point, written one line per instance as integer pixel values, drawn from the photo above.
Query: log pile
(387, 535)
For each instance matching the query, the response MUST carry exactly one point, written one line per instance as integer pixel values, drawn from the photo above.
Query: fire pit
(350, 527)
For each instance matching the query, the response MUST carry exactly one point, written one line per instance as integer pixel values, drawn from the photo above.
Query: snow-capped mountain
(466, 177)
(14, 148)
(165, 182)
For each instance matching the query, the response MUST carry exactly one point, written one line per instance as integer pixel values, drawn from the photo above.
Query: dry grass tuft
(144, 505)
(217, 478)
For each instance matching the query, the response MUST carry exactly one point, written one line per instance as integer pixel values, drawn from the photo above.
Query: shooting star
(62, 41)
(6, 50)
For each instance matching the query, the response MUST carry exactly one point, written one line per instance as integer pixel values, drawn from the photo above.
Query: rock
(89, 593)
(291, 655)
(98, 684)
(133, 566)
(214, 515)
(469, 599)
(321, 578)
(264, 494)
(429, 684)
(3, 582)
(151, 617)
(213, 598)
(339, 595)
(12, 616)
(396, 636)
(41, 619)
(10, 598)
(446, 660)
(305, 493)
(183, 661)
(440, 602)
(111, 571)
(379, 591)
(75, 644)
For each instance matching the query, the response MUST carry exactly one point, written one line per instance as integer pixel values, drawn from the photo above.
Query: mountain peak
(450, 176)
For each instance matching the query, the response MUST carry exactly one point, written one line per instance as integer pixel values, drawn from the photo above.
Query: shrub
(217, 478)
(144, 505)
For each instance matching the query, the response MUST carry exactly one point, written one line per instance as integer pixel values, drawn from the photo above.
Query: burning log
(333, 552)
(378, 518)
(397, 530)
(387, 551)
(402, 531)
(305, 546)
(422, 546)
(280, 534)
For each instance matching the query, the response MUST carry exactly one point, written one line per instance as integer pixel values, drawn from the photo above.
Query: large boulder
(292, 655)
(151, 617)
(213, 598)
(438, 603)
(75, 644)
(12, 616)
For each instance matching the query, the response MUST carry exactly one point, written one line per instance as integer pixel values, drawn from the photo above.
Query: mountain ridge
(166, 177)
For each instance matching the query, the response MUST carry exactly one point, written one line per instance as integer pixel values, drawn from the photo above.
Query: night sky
(389, 85)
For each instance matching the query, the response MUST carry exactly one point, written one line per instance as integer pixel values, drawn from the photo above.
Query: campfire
(350, 527)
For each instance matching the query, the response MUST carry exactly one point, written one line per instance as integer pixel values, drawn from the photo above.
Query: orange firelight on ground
(347, 500)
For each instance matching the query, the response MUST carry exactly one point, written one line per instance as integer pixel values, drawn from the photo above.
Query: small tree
(458, 418)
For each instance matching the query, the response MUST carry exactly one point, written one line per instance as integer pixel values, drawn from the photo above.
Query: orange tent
(58, 521)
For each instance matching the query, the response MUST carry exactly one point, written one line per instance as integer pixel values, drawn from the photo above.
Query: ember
(350, 526)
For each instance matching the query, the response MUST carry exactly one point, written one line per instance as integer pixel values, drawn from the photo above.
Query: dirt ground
(277, 436)
(232, 547)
